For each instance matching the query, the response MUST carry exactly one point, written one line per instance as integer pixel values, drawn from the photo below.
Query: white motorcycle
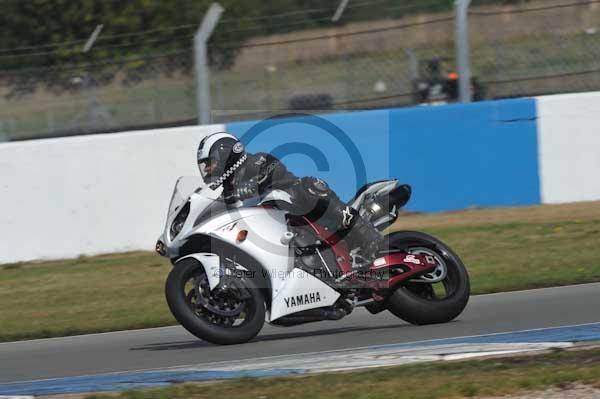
(239, 265)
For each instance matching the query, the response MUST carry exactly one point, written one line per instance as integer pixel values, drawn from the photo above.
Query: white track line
(274, 358)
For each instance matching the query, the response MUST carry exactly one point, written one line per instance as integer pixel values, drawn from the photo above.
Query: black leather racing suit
(311, 197)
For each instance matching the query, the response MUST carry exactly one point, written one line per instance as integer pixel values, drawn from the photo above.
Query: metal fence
(535, 48)
(369, 66)
(118, 95)
(518, 49)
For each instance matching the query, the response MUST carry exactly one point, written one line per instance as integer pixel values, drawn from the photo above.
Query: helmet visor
(206, 166)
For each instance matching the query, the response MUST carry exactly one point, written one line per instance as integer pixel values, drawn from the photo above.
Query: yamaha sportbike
(236, 266)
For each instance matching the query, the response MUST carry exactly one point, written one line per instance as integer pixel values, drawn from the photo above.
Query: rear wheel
(231, 313)
(436, 297)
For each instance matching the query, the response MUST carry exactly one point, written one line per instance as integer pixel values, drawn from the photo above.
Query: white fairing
(211, 266)
(301, 291)
(267, 241)
(265, 229)
(293, 290)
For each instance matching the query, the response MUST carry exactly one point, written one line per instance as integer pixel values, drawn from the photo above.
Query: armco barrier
(96, 194)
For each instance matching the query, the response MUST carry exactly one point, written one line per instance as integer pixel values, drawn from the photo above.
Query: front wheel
(231, 313)
(436, 297)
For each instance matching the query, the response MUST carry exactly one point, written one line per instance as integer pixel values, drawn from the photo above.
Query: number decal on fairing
(412, 259)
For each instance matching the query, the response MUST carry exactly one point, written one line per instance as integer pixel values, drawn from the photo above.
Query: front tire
(222, 316)
(420, 302)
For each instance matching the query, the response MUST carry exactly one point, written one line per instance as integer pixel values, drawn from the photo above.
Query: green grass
(97, 294)
(125, 291)
(421, 381)
(505, 257)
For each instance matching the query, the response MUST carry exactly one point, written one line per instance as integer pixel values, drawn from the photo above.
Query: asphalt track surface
(173, 346)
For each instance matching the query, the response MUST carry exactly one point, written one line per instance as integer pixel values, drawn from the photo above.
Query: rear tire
(199, 320)
(417, 302)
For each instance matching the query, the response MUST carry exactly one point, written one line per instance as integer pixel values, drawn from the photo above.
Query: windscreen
(185, 186)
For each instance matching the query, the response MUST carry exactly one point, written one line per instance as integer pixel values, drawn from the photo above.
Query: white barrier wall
(86, 195)
(569, 147)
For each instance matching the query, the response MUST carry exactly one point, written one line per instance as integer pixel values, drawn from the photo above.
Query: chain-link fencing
(518, 48)
(536, 47)
(121, 94)
(368, 65)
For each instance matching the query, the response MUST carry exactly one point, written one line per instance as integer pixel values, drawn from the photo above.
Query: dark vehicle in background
(433, 85)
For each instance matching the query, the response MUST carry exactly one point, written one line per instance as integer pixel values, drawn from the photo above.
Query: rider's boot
(363, 239)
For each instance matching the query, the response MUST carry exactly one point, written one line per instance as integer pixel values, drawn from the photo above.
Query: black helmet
(219, 155)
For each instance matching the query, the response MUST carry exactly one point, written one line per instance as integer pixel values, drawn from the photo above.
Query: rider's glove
(242, 192)
(246, 191)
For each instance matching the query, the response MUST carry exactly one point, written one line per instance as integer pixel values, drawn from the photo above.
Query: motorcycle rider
(222, 160)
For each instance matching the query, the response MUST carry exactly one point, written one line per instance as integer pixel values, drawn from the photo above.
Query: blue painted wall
(456, 156)
(476, 155)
